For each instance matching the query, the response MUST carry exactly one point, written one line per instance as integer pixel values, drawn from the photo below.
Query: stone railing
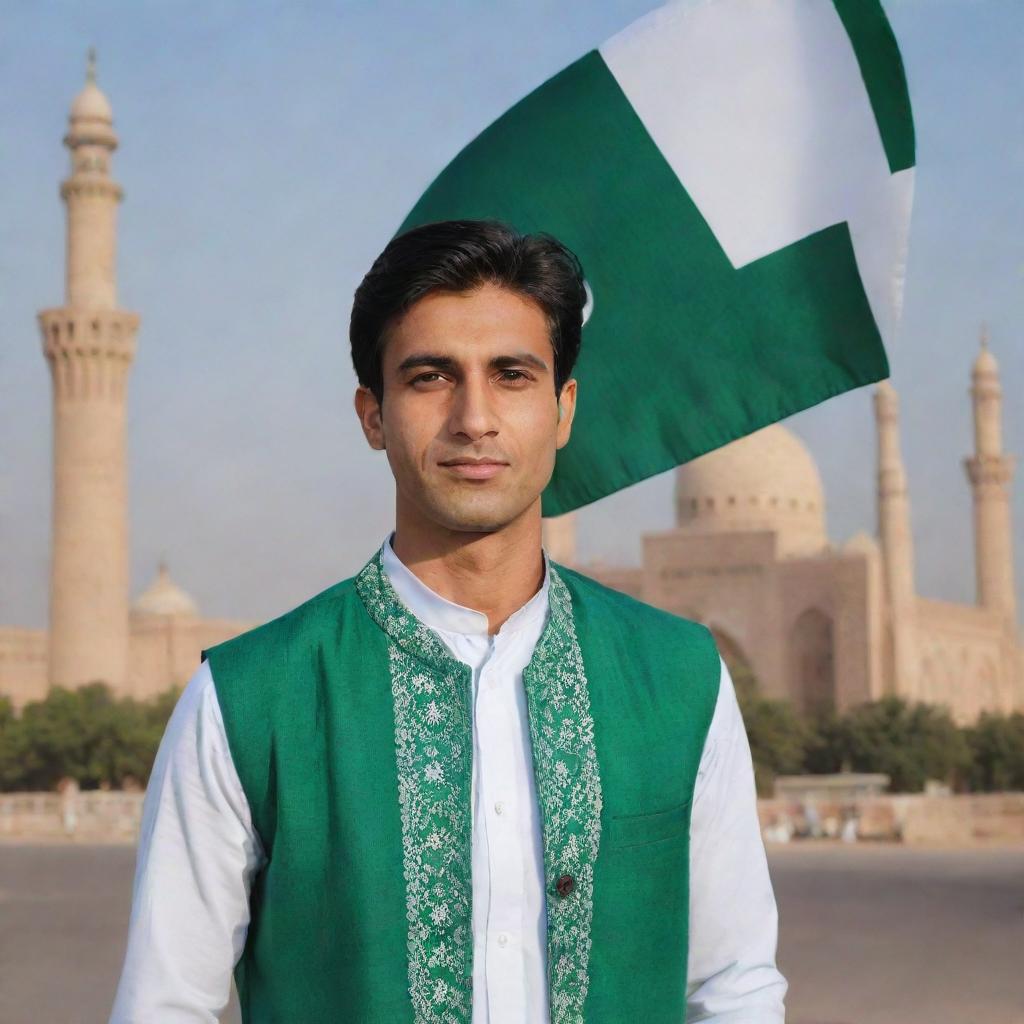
(913, 818)
(98, 816)
(90, 816)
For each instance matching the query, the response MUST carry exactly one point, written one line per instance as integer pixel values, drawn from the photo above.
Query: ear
(567, 403)
(369, 412)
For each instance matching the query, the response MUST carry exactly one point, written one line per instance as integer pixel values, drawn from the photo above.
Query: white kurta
(198, 851)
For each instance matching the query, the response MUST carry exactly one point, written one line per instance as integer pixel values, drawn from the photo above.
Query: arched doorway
(740, 670)
(812, 665)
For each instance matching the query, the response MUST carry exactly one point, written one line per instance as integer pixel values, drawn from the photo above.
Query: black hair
(460, 255)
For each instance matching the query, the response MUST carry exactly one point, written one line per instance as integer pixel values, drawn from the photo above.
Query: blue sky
(268, 151)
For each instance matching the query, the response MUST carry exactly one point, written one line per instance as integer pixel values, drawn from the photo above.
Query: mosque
(795, 616)
(824, 626)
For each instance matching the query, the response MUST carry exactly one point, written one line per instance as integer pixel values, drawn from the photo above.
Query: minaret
(897, 540)
(89, 344)
(990, 472)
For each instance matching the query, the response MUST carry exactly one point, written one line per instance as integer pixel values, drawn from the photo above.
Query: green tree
(12, 750)
(70, 732)
(909, 742)
(778, 739)
(90, 735)
(825, 749)
(996, 743)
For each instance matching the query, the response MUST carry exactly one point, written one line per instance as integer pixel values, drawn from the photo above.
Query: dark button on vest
(564, 885)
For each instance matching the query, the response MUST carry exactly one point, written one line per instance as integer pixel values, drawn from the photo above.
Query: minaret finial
(90, 66)
(984, 335)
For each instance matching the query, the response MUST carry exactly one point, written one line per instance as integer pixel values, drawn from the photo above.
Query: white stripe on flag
(741, 97)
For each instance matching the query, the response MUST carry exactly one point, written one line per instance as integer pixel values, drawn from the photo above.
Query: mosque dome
(767, 480)
(165, 597)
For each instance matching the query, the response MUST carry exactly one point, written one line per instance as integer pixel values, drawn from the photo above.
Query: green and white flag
(736, 178)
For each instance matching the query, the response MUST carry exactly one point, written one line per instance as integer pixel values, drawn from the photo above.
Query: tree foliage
(102, 741)
(910, 742)
(996, 743)
(85, 733)
(778, 738)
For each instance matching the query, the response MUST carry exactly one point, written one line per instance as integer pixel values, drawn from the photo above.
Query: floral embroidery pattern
(433, 750)
(569, 788)
(433, 745)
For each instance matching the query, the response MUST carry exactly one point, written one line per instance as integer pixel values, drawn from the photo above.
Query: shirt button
(499, 807)
(502, 939)
(564, 885)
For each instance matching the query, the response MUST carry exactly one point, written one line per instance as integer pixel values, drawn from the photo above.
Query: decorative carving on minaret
(89, 344)
(990, 472)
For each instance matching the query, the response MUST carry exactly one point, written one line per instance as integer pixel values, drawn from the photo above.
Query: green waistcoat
(350, 725)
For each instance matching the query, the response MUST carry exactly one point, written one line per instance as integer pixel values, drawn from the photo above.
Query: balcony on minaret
(89, 351)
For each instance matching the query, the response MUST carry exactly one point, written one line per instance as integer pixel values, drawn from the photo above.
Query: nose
(472, 413)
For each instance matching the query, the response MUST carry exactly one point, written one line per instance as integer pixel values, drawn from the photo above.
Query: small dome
(91, 120)
(862, 541)
(764, 481)
(91, 105)
(985, 364)
(165, 597)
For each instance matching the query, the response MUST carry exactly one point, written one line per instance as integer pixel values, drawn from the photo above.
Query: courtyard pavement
(868, 934)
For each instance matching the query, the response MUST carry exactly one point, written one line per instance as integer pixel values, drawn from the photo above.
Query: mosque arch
(736, 660)
(812, 662)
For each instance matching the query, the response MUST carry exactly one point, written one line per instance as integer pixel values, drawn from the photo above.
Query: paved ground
(891, 935)
(868, 935)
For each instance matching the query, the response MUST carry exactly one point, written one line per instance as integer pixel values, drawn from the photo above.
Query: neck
(494, 572)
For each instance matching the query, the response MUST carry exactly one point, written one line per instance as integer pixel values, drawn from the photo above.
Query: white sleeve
(731, 970)
(196, 858)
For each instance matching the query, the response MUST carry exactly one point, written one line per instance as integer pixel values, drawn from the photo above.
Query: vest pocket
(626, 830)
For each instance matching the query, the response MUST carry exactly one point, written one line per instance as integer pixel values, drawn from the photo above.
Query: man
(467, 784)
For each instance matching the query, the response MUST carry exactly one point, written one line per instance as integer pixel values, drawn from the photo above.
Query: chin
(475, 523)
(473, 517)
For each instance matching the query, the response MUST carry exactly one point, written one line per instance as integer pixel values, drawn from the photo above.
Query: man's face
(469, 376)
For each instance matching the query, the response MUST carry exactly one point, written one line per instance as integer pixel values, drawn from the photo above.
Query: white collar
(446, 616)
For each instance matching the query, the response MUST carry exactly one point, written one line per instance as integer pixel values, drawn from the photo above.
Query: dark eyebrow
(501, 362)
(447, 363)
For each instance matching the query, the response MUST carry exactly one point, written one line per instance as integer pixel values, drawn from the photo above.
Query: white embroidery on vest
(433, 747)
(433, 751)
(569, 788)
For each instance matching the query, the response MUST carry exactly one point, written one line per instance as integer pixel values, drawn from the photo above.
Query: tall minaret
(897, 540)
(89, 344)
(990, 471)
